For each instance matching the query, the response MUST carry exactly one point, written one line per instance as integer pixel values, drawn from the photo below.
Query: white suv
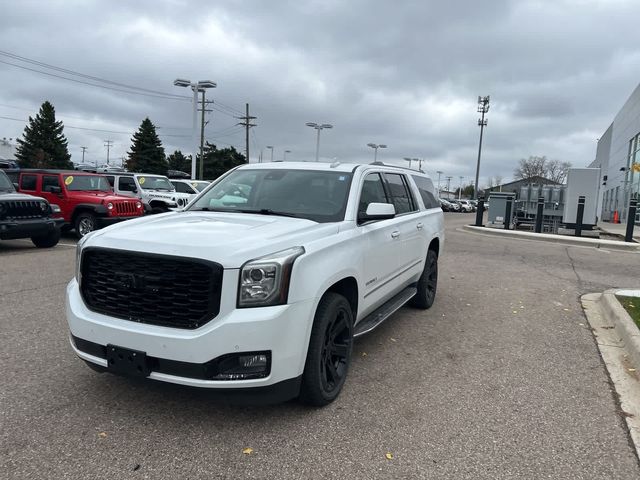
(156, 192)
(261, 284)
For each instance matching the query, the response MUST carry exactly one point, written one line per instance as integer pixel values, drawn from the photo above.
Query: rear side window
(127, 184)
(372, 192)
(182, 187)
(49, 181)
(28, 182)
(427, 192)
(400, 193)
(111, 179)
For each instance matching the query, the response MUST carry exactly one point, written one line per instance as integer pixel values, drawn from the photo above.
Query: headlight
(55, 208)
(138, 205)
(44, 206)
(265, 280)
(109, 206)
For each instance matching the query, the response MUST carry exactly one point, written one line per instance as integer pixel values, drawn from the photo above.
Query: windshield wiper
(268, 211)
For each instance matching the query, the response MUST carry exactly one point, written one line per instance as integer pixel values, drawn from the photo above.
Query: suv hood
(9, 197)
(97, 196)
(230, 239)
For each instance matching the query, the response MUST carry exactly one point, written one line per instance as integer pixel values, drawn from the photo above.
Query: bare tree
(557, 170)
(553, 170)
(530, 167)
(498, 179)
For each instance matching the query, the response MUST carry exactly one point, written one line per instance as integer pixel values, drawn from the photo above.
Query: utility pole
(246, 123)
(439, 172)
(84, 149)
(108, 144)
(449, 187)
(483, 108)
(270, 147)
(460, 188)
(202, 124)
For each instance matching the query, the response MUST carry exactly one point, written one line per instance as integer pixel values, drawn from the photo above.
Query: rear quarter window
(427, 191)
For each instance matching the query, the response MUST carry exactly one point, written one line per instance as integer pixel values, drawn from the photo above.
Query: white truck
(259, 287)
(156, 192)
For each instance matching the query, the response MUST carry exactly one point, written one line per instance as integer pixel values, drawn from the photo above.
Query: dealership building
(618, 157)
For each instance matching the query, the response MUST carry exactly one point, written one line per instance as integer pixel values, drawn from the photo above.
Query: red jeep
(86, 200)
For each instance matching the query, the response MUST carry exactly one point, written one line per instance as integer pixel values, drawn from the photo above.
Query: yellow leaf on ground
(631, 369)
(102, 434)
(389, 456)
(364, 354)
(247, 451)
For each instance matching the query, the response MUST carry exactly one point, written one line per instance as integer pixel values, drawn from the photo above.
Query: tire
(47, 241)
(428, 283)
(85, 223)
(329, 354)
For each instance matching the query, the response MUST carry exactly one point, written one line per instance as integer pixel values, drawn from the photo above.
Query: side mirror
(377, 211)
(56, 190)
(15, 185)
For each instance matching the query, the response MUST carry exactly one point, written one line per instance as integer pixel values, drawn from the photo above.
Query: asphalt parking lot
(500, 379)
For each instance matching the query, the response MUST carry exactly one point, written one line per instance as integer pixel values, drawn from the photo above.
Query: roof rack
(382, 164)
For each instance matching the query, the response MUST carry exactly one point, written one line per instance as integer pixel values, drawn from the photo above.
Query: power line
(93, 84)
(83, 75)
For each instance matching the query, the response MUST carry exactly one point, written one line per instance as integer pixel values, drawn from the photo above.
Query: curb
(625, 326)
(566, 240)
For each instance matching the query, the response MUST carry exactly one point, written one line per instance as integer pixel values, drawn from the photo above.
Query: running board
(378, 316)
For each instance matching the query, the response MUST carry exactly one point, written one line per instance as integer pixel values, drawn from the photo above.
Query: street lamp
(318, 127)
(449, 187)
(439, 172)
(408, 160)
(284, 155)
(483, 108)
(375, 150)
(460, 188)
(200, 86)
(270, 147)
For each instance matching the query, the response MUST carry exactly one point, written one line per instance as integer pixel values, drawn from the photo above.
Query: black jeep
(26, 216)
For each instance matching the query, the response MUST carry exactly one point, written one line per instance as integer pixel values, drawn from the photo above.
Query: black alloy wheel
(85, 223)
(428, 283)
(329, 354)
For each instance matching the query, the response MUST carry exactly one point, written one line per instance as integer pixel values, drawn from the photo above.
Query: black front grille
(23, 210)
(148, 288)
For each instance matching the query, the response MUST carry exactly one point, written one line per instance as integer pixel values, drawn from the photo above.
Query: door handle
(419, 226)
(395, 234)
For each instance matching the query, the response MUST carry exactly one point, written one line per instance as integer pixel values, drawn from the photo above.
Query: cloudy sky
(404, 73)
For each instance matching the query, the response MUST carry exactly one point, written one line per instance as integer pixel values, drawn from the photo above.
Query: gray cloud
(403, 73)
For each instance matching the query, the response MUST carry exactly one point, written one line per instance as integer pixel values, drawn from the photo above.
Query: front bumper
(10, 229)
(106, 221)
(283, 330)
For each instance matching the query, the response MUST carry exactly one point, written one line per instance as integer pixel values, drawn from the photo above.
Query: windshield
(87, 182)
(314, 195)
(199, 186)
(155, 183)
(5, 183)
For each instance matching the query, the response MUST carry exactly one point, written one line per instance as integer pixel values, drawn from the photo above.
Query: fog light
(243, 366)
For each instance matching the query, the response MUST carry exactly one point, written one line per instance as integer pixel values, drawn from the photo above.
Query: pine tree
(178, 161)
(43, 144)
(217, 162)
(147, 154)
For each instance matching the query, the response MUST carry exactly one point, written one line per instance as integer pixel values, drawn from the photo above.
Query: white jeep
(259, 287)
(156, 192)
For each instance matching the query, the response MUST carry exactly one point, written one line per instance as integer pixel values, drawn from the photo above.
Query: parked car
(178, 174)
(7, 164)
(262, 296)
(190, 187)
(86, 167)
(27, 216)
(465, 205)
(453, 206)
(86, 200)
(156, 192)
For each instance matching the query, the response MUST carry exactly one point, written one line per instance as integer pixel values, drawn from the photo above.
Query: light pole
(483, 108)
(318, 127)
(270, 147)
(408, 160)
(199, 86)
(284, 155)
(375, 149)
(460, 188)
(439, 172)
(449, 187)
